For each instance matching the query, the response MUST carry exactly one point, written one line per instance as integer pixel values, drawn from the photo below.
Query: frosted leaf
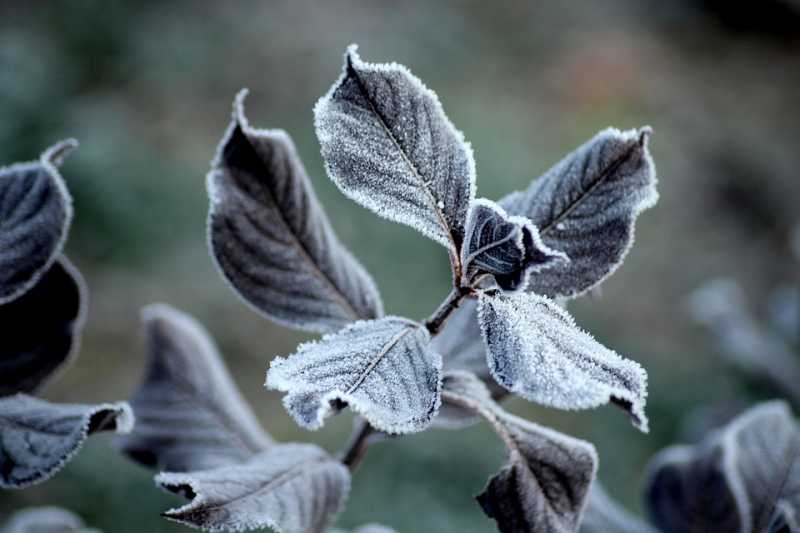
(544, 486)
(37, 438)
(586, 207)
(604, 515)
(35, 214)
(45, 520)
(508, 248)
(388, 145)
(272, 240)
(383, 369)
(291, 488)
(190, 416)
(463, 383)
(536, 351)
(720, 306)
(41, 329)
(374, 528)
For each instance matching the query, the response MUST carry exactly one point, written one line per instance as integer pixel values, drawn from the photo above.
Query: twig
(358, 445)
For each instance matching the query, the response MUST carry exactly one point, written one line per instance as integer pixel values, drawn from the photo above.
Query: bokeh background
(147, 87)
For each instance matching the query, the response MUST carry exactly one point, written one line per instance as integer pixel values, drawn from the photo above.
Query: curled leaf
(272, 240)
(41, 329)
(37, 438)
(586, 207)
(292, 488)
(383, 369)
(46, 519)
(190, 416)
(388, 145)
(35, 213)
(536, 351)
(508, 248)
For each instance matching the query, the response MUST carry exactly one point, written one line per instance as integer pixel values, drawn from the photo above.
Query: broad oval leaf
(383, 369)
(190, 416)
(508, 248)
(388, 145)
(292, 488)
(35, 213)
(535, 350)
(604, 515)
(41, 329)
(586, 207)
(37, 438)
(46, 519)
(272, 240)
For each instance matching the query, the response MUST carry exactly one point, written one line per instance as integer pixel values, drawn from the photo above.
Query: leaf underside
(272, 240)
(37, 438)
(41, 329)
(383, 369)
(190, 416)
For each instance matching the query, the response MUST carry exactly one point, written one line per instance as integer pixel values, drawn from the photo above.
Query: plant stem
(357, 447)
(439, 317)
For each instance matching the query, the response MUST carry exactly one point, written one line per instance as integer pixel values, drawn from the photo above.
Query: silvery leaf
(720, 306)
(508, 248)
(374, 528)
(37, 438)
(41, 329)
(688, 490)
(272, 240)
(604, 515)
(536, 351)
(35, 213)
(190, 416)
(460, 341)
(383, 369)
(586, 207)
(388, 145)
(45, 520)
(292, 488)
(463, 383)
(764, 451)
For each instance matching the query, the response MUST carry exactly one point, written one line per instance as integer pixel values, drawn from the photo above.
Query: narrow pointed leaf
(190, 416)
(45, 520)
(35, 213)
(784, 520)
(41, 329)
(604, 515)
(586, 207)
(272, 240)
(291, 488)
(536, 351)
(37, 438)
(508, 248)
(388, 145)
(383, 369)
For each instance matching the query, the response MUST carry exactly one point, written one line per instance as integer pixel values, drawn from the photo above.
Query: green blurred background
(147, 87)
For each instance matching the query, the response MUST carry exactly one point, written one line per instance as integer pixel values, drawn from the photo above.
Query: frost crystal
(388, 145)
(383, 369)
(536, 351)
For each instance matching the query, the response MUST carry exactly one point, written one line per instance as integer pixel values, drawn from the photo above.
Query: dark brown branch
(357, 447)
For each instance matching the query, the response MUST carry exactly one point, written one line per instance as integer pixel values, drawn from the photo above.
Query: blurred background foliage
(147, 86)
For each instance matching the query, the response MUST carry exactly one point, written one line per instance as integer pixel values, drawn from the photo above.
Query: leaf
(190, 416)
(45, 519)
(536, 351)
(388, 145)
(41, 329)
(463, 383)
(292, 488)
(272, 240)
(37, 438)
(374, 528)
(604, 515)
(508, 248)
(784, 520)
(784, 312)
(35, 213)
(383, 369)
(586, 207)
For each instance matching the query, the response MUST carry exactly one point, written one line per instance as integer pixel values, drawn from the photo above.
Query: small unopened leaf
(41, 329)
(45, 520)
(586, 207)
(604, 515)
(35, 213)
(536, 351)
(388, 145)
(292, 488)
(37, 437)
(463, 383)
(383, 369)
(508, 248)
(189, 414)
(272, 239)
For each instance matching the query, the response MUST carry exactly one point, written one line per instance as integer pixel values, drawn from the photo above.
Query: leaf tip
(56, 154)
